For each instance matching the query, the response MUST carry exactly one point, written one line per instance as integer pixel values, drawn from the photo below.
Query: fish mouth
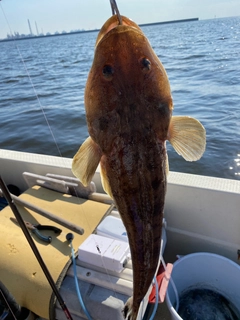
(113, 23)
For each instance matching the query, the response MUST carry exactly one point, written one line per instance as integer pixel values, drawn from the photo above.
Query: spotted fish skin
(129, 108)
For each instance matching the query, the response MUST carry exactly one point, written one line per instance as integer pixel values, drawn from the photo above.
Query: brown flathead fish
(129, 114)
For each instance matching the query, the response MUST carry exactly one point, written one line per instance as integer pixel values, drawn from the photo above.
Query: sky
(67, 15)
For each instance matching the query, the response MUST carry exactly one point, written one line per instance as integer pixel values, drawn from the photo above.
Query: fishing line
(111, 281)
(156, 299)
(31, 82)
(38, 100)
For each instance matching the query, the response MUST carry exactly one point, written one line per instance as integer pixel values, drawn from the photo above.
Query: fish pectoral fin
(188, 137)
(86, 160)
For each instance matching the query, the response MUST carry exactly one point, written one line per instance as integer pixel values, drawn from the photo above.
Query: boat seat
(19, 268)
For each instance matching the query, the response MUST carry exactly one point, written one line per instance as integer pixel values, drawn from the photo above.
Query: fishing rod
(34, 248)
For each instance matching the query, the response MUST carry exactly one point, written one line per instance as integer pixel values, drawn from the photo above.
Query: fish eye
(108, 71)
(146, 64)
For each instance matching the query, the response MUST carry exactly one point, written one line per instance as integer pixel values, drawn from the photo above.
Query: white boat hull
(202, 213)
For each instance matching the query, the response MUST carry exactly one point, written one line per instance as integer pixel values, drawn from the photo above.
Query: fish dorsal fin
(104, 178)
(86, 160)
(188, 137)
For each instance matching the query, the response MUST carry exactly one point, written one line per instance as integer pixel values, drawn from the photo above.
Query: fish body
(129, 115)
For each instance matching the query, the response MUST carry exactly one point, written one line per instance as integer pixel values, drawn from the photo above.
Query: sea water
(46, 114)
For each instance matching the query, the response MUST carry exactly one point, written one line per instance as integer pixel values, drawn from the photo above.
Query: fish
(129, 106)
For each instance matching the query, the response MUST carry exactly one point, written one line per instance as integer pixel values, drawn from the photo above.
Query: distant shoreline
(95, 30)
(167, 22)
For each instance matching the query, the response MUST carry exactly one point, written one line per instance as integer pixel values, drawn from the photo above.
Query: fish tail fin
(130, 311)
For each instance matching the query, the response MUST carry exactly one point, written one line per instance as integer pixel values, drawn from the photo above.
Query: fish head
(127, 90)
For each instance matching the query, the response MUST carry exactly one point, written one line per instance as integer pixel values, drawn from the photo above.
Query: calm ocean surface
(202, 60)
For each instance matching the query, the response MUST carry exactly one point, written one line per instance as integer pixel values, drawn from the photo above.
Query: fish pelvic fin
(188, 137)
(104, 178)
(128, 311)
(86, 160)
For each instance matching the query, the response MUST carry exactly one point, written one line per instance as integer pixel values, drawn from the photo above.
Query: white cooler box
(103, 252)
(112, 227)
